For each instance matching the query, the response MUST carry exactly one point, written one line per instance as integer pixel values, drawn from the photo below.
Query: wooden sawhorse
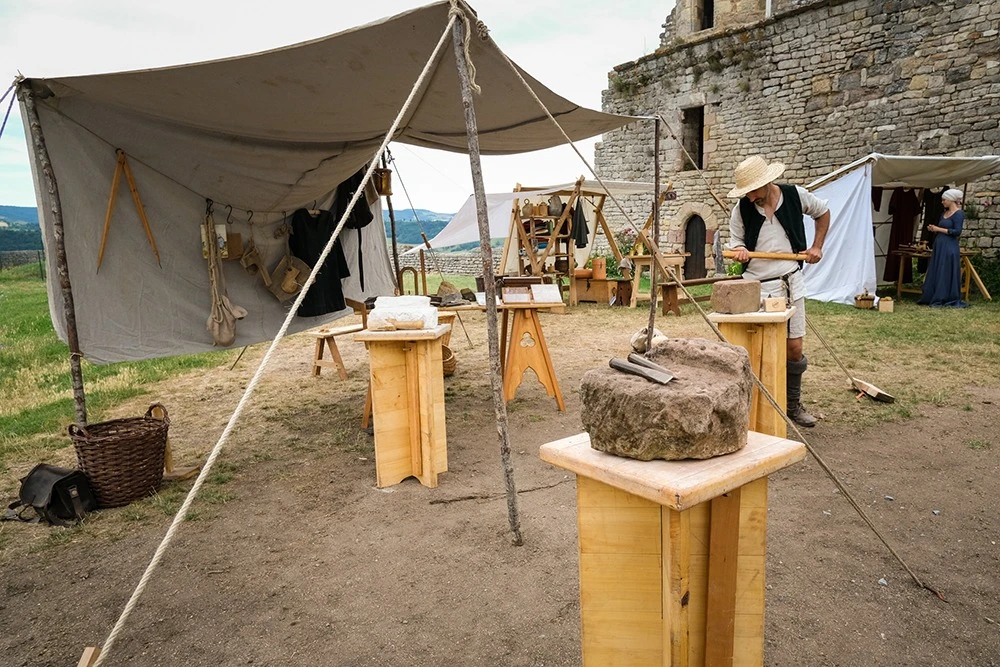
(328, 338)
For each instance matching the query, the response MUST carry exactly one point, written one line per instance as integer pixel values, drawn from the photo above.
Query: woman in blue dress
(943, 282)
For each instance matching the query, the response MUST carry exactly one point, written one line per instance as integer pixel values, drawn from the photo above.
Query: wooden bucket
(600, 267)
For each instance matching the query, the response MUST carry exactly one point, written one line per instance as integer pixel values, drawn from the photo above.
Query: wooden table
(672, 553)
(407, 390)
(969, 273)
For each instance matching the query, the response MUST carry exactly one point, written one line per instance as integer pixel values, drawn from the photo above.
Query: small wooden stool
(328, 337)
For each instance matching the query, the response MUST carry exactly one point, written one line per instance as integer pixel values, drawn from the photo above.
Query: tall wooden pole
(44, 165)
(392, 225)
(656, 233)
(496, 378)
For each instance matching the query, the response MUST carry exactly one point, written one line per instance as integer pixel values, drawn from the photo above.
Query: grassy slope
(36, 401)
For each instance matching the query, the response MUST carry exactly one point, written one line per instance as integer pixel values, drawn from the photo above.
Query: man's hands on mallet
(813, 255)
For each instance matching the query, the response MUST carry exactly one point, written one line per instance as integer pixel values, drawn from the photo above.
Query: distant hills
(19, 228)
(407, 227)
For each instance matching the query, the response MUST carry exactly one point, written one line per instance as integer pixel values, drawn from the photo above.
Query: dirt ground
(295, 558)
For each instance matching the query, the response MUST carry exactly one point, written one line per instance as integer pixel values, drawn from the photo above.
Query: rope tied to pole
(457, 12)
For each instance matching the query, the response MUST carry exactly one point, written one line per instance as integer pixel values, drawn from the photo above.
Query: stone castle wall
(816, 86)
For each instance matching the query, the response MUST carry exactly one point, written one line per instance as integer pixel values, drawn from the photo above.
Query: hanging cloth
(309, 235)
(904, 207)
(933, 210)
(581, 232)
(222, 320)
(360, 217)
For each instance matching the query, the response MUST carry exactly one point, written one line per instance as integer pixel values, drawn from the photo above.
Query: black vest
(789, 214)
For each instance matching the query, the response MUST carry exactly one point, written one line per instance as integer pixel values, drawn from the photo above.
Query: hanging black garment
(360, 217)
(933, 210)
(581, 232)
(904, 208)
(310, 235)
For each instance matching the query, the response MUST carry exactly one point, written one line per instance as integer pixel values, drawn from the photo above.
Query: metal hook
(208, 206)
(314, 204)
(229, 214)
(250, 217)
(283, 216)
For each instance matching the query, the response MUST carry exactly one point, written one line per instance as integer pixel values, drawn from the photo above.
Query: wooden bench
(672, 302)
(328, 338)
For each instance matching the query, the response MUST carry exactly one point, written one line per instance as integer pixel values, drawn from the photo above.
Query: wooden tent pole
(496, 378)
(392, 227)
(656, 233)
(44, 166)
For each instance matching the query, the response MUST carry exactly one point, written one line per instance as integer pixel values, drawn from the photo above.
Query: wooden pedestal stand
(672, 553)
(764, 336)
(407, 387)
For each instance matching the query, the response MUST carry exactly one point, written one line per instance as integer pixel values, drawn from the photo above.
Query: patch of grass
(979, 444)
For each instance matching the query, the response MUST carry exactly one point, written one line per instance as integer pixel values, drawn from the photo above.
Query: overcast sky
(569, 45)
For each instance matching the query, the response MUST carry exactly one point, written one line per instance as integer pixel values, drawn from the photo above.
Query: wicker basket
(864, 301)
(448, 361)
(122, 458)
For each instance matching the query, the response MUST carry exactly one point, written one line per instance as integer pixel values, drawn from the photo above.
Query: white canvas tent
(268, 133)
(849, 255)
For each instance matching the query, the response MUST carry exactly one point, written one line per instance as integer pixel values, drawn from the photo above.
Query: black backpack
(57, 495)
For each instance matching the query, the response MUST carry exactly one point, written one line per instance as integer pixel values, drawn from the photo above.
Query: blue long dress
(943, 282)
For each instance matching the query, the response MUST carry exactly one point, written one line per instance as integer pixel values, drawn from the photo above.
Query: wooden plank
(750, 579)
(403, 334)
(89, 657)
(338, 362)
(700, 523)
(720, 620)
(413, 410)
(752, 318)
(676, 535)
(339, 331)
(620, 576)
(676, 484)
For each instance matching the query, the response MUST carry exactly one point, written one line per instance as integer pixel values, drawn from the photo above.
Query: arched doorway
(694, 243)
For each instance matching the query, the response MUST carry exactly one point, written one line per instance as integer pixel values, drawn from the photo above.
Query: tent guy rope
(701, 311)
(252, 385)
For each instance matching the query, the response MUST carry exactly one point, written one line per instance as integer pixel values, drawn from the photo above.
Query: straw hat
(753, 173)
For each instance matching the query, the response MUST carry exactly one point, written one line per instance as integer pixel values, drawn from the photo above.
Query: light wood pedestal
(764, 336)
(407, 387)
(672, 553)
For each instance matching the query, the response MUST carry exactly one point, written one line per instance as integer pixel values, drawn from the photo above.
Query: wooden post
(656, 232)
(496, 377)
(44, 166)
(392, 227)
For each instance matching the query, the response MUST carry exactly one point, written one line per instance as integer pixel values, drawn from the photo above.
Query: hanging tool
(122, 166)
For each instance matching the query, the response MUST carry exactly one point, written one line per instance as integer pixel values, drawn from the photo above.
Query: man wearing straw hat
(768, 218)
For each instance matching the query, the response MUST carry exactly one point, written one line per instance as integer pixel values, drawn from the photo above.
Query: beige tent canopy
(268, 133)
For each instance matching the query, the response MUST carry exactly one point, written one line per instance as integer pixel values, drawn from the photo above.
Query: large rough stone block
(703, 412)
(736, 296)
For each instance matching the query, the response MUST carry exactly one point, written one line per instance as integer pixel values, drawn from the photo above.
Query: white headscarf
(952, 194)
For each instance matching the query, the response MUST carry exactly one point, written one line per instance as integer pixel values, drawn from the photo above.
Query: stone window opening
(704, 14)
(693, 138)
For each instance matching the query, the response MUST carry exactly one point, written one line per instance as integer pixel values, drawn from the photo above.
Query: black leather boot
(793, 376)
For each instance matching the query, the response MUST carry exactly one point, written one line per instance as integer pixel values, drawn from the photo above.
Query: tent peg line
(672, 274)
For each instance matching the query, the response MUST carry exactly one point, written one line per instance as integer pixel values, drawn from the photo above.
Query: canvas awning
(268, 133)
(897, 171)
(849, 263)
